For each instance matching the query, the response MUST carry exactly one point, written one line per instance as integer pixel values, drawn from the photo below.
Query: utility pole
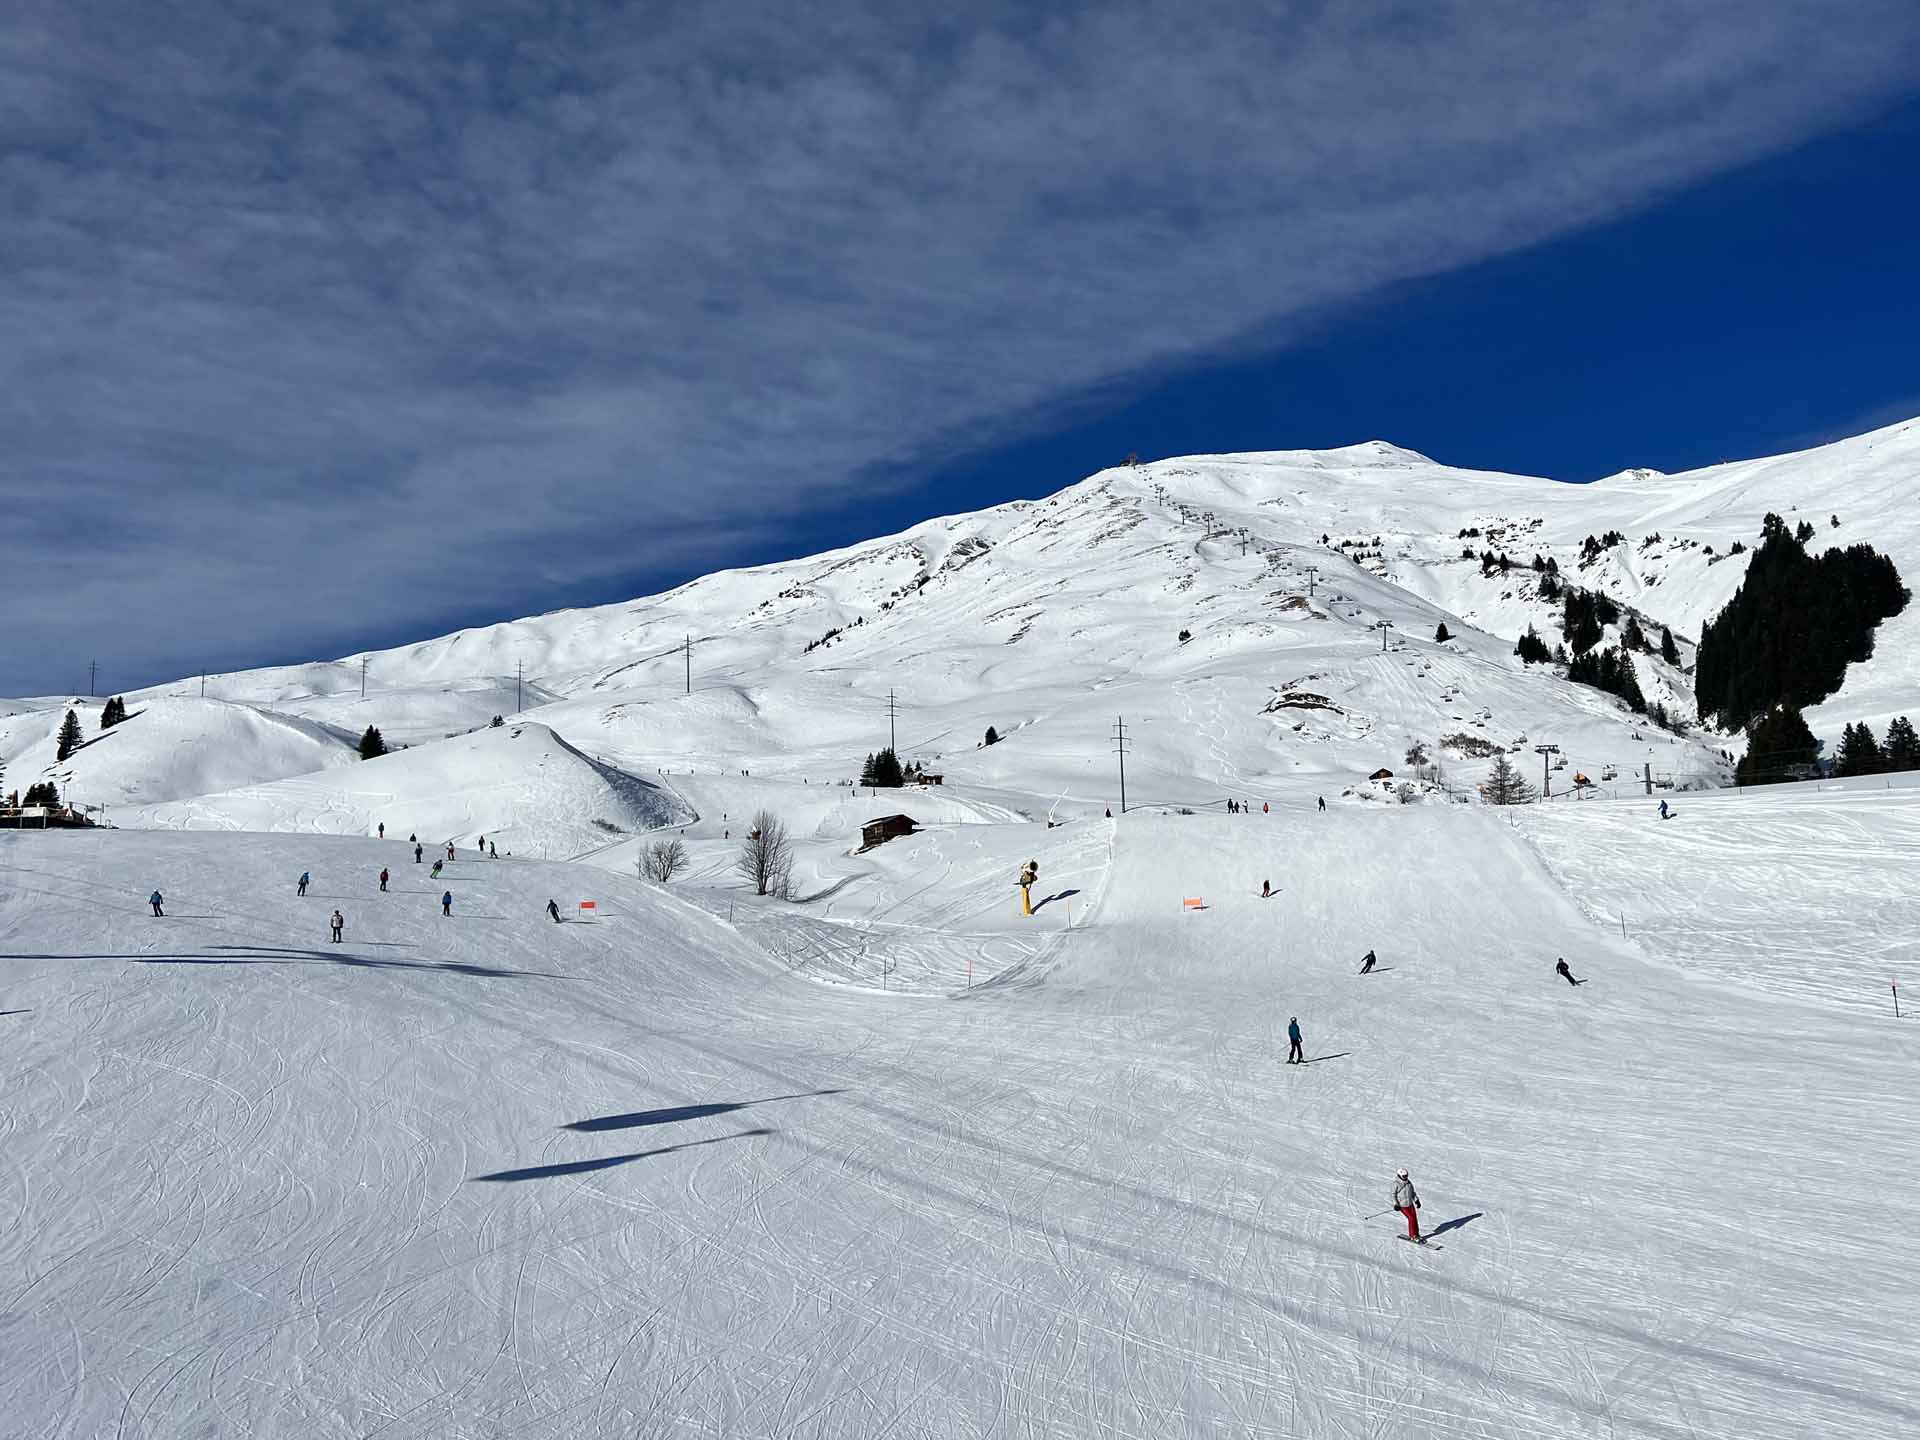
(689, 664)
(203, 684)
(1120, 749)
(93, 667)
(892, 710)
(363, 677)
(519, 678)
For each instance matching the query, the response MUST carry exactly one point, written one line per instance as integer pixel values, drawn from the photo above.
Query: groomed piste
(486, 1174)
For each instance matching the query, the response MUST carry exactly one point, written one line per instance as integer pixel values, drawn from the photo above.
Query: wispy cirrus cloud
(320, 316)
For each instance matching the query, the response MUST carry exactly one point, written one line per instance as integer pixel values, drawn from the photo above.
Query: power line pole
(519, 678)
(1120, 749)
(363, 677)
(93, 667)
(689, 664)
(203, 684)
(892, 712)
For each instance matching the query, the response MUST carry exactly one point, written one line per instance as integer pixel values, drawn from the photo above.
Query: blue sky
(344, 324)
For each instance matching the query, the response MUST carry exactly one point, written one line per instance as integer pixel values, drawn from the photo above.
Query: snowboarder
(1295, 1054)
(418, 851)
(446, 903)
(339, 923)
(306, 879)
(1323, 802)
(154, 900)
(1560, 969)
(1266, 889)
(554, 911)
(1664, 812)
(1367, 963)
(383, 878)
(1407, 1201)
(383, 829)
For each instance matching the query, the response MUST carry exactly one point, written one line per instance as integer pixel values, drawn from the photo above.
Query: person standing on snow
(154, 900)
(449, 852)
(493, 851)
(383, 877)
(1560, 969)
(1366, 963)
(306, 879)
(418, 851)
(1295, 1054)
(446, 903)
(1323, 802)
(1407, 1201)
(383, 829)
(339, 923)
(554, 911)
(1266, 889)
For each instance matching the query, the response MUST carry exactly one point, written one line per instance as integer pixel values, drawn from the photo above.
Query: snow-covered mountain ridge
(1284, 568)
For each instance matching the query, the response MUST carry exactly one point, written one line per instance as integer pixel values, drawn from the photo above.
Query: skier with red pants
(1407, 1201)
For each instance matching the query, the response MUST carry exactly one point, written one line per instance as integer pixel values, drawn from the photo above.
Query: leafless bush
(766, 856)
(662, 859)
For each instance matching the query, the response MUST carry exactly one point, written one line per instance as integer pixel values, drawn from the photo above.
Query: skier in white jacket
(1407, 1201)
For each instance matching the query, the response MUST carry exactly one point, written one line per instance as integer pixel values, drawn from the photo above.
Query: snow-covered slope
(485, 1174)
(167, 748)
(521, 786)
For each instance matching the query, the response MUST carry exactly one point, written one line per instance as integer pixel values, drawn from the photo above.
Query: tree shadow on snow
(279, 955)
(607, 1162)
(1456, 1223)
(1040, 905)
(676, 1113)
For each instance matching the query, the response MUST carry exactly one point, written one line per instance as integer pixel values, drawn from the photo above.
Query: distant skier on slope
(1407, 1201)
(553, 910)
(434, 874)
(449, 852)
(1295, 1054)
(418, 851)
(338, 922)
(1266, 889)
(1323, 802)
(383, 829)
(154, 900)
(1665, 813)
(1367, 962)
(306, 879)
(493, 851)
(1560, 969)
(383, 877)
(446, 903)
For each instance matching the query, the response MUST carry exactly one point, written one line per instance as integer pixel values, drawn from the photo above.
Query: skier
(449, 852)
(1323, 802)
(554, 911)
(446, 903)
(1266, 889)
(383, 829)
(154, 900)
(481, 846)
(1407, 1201)
(1265, 808)
(1366, 963)
(1560, 969)
(418, 851)
(1229, 807)
(339, 923)
(434, 874)
(306, 879)
(383, 878)
(493, 851)
(413, 840)
(1295, 1055)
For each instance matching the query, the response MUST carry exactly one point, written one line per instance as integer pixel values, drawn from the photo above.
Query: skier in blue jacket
(1295, 1054)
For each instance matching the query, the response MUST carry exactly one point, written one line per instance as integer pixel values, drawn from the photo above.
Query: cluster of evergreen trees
(1611, 670)
(1794, 625)
(1585, 613)
(1780, 747)
(113, 712)
(1532, 649)
(1861, 754)
(883, 771)
(372, 744)
(45, 793)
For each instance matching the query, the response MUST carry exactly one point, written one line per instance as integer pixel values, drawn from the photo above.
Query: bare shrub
(766, 856)
(661, 860)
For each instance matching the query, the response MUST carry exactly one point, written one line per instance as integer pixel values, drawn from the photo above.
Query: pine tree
(1504, 785)
(887, 774)
(69, 739)
(866, 772)
(993, 736)
(1902, 750)
(1531, 648)
(1440, 634)
(1669, 651)
(1780, 747)
(45, 793)
(1859, 752)
(113, 712)
(1632, 637)
(372, 746)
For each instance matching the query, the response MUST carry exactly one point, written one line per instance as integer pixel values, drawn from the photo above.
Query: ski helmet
(1401, 1173)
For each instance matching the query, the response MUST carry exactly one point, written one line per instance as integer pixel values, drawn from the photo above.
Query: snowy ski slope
(488, 1175)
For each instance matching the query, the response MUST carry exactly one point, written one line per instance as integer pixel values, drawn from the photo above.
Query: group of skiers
(1245, 807)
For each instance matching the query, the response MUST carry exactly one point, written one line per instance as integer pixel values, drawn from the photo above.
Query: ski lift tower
(1546, 754)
